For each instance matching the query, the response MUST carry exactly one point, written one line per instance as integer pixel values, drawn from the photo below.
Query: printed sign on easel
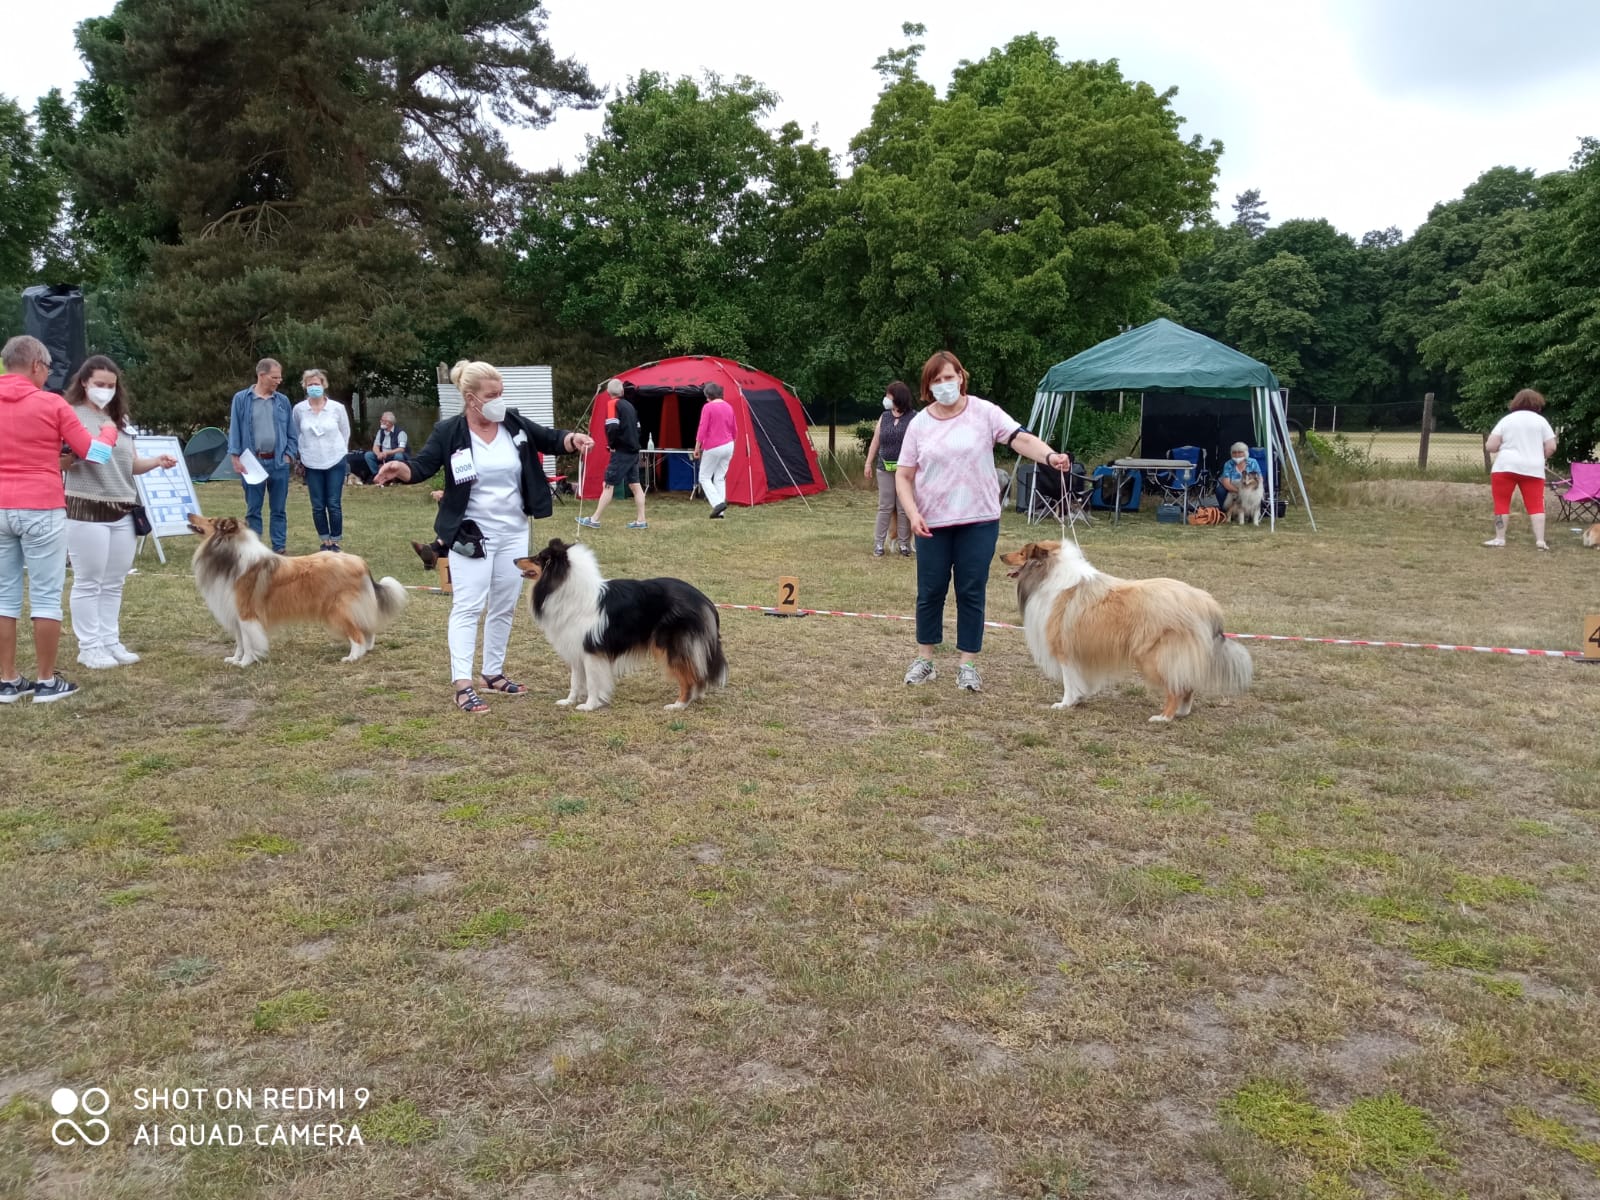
(167, 493)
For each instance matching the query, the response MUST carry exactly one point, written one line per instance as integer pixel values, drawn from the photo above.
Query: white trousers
(486, 588)
(102, 553)
(714, 473)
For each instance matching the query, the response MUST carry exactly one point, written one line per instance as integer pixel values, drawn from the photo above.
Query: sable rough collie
(1591, 536)
(602, 628)
(1087, 629)
(1246, 502)
(249, 589)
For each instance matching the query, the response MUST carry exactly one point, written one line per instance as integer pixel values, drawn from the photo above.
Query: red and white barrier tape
(1253, 637)
(1258, 637)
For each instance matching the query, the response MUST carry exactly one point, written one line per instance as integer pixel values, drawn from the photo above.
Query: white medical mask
(100, 396)
(948, 392)
(888, 404)
(495, 410)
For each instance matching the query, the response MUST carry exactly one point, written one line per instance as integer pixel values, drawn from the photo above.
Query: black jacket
(452, 434)
(622, 431)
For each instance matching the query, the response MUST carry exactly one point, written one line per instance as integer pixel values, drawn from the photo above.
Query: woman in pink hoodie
(33, 512)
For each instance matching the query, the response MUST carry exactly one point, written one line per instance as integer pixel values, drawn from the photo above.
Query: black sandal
(473, 703)
(499, 683)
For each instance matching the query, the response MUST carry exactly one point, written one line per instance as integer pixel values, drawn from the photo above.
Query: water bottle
(652, 443)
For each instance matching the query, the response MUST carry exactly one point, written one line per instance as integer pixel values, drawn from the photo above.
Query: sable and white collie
(1086, 629)
(249, 589)
(1246, 502)
(603, 628)
(1591, 536)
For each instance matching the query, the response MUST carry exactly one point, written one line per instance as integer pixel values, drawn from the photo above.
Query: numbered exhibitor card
(167, 493)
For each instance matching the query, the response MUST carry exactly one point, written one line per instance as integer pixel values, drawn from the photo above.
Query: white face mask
(494, 410)
(948, 392)
(888, 404)
(101, 396)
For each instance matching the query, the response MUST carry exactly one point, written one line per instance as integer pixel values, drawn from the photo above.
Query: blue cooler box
(680, 473)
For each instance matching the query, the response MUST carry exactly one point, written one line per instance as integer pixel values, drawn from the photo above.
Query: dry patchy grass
(826, 935)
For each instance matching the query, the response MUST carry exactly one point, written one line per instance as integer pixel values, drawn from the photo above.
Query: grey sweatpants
(888, 507)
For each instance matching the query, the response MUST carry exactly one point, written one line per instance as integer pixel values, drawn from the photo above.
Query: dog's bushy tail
(716, 663)
(390, 594)
(1232, 669)
(1195, 656)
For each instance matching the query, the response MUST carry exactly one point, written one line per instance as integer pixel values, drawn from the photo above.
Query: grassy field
(825, 935)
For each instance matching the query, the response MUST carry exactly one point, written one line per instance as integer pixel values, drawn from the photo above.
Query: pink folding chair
(1579, 496)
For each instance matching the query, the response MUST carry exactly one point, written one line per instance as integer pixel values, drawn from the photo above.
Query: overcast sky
(1366, 112)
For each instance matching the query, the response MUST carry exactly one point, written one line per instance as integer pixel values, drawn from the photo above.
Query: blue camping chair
(1177, 486)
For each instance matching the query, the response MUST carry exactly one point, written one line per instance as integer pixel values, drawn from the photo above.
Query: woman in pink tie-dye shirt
(946, 483)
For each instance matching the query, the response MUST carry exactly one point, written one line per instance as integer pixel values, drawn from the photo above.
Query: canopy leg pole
(1294, 464)
(1272, 459)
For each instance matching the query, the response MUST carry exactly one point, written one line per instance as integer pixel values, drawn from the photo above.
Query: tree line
(332, 185)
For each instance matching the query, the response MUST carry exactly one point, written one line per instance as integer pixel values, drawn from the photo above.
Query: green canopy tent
(1165, 357)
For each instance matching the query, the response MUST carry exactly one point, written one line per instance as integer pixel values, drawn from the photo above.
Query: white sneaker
(96, 659)
(123, 655)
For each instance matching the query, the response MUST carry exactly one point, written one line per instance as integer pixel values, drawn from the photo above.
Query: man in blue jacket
(259, 422)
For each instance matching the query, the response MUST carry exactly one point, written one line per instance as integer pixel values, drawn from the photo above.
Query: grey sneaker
(921, 671)
(967, 678)
(877, 550)
(12, 690)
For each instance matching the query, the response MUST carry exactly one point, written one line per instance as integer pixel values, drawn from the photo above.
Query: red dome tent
(773, 458)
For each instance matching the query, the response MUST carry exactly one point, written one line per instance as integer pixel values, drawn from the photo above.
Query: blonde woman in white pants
(493, 485)
(100, 538)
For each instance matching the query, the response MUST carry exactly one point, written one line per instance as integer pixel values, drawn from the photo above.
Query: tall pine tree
(322, 183)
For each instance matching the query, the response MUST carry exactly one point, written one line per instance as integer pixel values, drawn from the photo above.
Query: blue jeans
(34, 539)
(373, 464)
(276, 491)
(326, 486)
(964, 552)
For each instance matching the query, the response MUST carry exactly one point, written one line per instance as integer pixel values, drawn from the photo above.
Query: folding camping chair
(1176, 487)
(1060, 495)
(1579, 497)
(558, 483)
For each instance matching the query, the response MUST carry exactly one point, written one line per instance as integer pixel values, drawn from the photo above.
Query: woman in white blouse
(324, 432)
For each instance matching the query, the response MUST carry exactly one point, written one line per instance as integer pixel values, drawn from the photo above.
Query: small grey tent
(1165, 357)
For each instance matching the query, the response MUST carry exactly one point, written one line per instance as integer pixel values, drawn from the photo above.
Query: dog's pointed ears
(1040, 549)
(557, 546)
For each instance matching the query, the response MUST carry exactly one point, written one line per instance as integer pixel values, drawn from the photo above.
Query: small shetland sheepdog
(1591, 536)
(249, 589)
(1086, 630)
(1246, 502)
(602, 628)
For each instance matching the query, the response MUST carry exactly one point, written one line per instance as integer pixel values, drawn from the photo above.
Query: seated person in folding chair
(1234, 472)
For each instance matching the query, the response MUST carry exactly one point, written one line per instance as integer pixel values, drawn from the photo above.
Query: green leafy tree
(1460, 243)
(326, 184)
(30, 199)
(1270, 314)
(1023, 216)
(674, 234)
(1533, 320)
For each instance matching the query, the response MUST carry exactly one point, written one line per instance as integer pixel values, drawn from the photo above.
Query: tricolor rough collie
(1086, 630)
(602, 628)
(250, 589)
